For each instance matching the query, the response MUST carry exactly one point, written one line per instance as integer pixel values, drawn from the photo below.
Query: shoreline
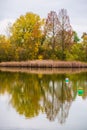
(44, 64)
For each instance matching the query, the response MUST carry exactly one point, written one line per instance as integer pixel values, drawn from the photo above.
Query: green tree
(76, 53)
(84, 42)
(76, 38)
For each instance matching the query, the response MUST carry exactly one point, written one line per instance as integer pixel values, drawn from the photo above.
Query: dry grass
(45, 64)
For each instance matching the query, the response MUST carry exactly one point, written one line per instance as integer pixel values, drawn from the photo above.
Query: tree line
(31, 37)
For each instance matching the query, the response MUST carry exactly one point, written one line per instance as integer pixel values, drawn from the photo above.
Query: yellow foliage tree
(26, 32)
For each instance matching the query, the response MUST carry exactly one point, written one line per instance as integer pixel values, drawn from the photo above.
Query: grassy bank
(45, 64)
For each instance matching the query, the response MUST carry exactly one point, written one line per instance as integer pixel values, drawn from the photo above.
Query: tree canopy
(32, 37)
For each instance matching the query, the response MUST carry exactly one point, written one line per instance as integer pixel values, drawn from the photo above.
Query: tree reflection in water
(34, 93)
(58, 101)
(66, 100)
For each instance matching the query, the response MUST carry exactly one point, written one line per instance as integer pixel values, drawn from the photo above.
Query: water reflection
(31, 94)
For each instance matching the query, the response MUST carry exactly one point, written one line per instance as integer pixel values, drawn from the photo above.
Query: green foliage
(84, 42)
(76, 38)
(76, 53)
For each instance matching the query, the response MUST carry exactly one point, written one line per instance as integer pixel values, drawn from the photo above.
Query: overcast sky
(10, 10)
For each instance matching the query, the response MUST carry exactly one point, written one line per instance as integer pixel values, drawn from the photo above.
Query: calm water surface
(43, 101)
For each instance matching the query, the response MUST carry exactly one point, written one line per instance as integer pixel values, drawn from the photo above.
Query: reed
(45, 64)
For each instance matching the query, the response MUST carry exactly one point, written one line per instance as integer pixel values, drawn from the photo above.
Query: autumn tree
(26, 33)
(65, 33)
(51, 28)
(58, 31)
(6, 49)
(50, 32)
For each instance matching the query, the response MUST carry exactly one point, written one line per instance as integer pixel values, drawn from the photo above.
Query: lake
(43, 101)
